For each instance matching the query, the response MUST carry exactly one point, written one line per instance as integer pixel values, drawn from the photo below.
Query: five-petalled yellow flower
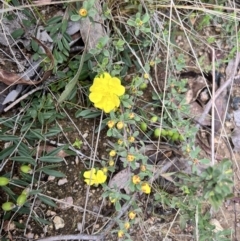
(95, 177)
(145, 188)
(105, 92)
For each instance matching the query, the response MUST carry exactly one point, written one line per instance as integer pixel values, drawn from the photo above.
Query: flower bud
(25, 169)
(4, 181)
(112, 153)
(120, 125)
(21, 199)
(7, 206)
(83, 12)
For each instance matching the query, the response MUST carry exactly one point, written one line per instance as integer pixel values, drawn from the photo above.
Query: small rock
(62, 181)
(58, 222)
(79, 227)
(51, 178)
(68, 201)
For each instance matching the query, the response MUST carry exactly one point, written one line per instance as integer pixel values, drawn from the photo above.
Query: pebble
(58, 222)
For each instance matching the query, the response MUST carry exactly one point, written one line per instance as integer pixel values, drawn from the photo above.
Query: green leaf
(7, 152)
(50, 159)
(37, 134)
(24, 159)
(87, 114)
(69, 87)
(65, 44)
(64, 26)
(53, 173)
(60, 45)
(34, 45)
(55, 151)
(8, 191)
(17, 33)
(47, 200)
(8, 138)
(75, 18)
(41, 220)
(54, 20)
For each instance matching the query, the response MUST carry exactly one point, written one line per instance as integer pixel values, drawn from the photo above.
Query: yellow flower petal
(95, 97)
(101, 177)
(90, 176)
(146, 188)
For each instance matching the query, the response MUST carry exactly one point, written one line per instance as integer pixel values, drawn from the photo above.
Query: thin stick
(22, 98)
(72, 236)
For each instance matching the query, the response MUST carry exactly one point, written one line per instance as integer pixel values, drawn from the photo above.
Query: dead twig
(73, 236)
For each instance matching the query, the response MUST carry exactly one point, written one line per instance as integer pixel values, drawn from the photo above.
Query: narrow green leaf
(60, 45)
(47, 200)
(51, 159)
(7, 152)
(37, 134)
(8, 138)
(41, 220)
(55, 151)
(25, 159)
(54, 20)
(69, 87)
(87, 114)
(53, 173)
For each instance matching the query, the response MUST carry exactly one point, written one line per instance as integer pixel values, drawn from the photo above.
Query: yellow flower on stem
(131, 139)
(143, 168)
(120, 233)
(94, 177)
(112, 153)
(105, 92)
(131, 115)
(132, 215)
(110, 124)
(130, 157)
(136, 179)
(111, 163)
(83, 12)
(120, 125)
(120, 142)
(127, 225)
(145, 188)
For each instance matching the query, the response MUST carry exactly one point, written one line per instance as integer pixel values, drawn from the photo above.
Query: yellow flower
(112, 153)
(105, 170)
(83, 12)
(151, 63)
(146, 76)
(112, 200)
(111, 163)
(120, 142)
(120, 233)
(132, 215)
(120, 125)
(130, 157)
(146, 188)
(131, 139)
(143, 168)
(111, 124)
(131, 115)
(136, 179)
(94, 177)
(105, 92)
(127, 225)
